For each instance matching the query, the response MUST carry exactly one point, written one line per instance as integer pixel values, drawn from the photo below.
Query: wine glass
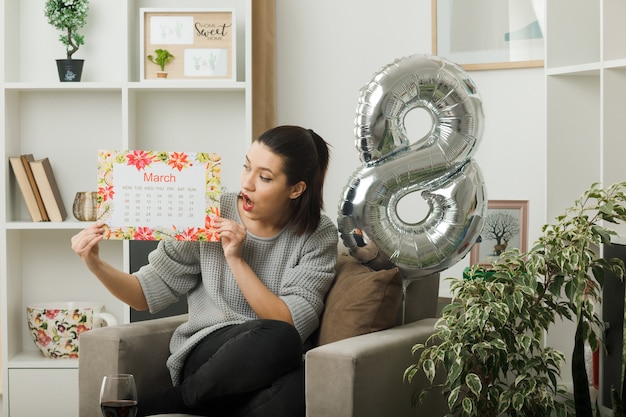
(118, 396)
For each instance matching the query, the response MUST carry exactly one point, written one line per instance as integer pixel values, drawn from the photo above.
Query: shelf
(68, 122)
(615, 63)
(65, 225)
(52, 87)
(592, 69)
(187, 85)
(156, 85)
(614, 146)
(34, 359)
(573, 32)
(585, 84)
(613, 30)
(573, 134)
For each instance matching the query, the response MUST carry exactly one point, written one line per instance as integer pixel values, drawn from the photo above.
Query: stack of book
(39, 188)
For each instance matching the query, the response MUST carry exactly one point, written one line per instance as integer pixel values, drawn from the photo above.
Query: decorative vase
(85, 206)
(70, 70)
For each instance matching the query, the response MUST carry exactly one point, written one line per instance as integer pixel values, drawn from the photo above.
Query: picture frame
(203, 42)
(489, 34)
(506, 227)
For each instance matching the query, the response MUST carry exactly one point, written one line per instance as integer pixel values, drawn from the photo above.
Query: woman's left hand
(232, 235)
(265, 303)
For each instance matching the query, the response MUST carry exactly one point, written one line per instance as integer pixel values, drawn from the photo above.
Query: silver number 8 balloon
(438, 165)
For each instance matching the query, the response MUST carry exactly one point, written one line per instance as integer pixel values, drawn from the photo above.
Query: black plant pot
(70, 70)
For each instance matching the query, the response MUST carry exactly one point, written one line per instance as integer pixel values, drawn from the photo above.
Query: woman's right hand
(85, 243)
(123, 285)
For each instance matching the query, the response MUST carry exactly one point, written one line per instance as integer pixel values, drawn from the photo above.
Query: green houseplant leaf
(68, 16)
(488, 341)
(162, 58)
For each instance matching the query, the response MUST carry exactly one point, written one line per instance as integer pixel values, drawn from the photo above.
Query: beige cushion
(360, 301)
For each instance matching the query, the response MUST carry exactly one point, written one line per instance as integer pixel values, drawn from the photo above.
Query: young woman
(254, 298)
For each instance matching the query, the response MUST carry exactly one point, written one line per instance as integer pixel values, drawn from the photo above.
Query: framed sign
(506, 226)
(489, 34)
(201, 41)
(147, 195)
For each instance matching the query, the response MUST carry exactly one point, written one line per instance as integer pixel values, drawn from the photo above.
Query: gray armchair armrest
(363, 376)
(357, 377)
(139, 348)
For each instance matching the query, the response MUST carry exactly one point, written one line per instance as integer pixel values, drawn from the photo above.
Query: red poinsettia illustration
(144, 233)
(178, 160)
(140, 159)
(188, 234)
(106, 192)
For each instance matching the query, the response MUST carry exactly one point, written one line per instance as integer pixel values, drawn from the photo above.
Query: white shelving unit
(68, 123)
(586, 84)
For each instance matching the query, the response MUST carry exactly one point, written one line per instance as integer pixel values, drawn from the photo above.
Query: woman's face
(264, 189)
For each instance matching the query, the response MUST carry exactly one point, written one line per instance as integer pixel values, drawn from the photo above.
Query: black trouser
(253, 369)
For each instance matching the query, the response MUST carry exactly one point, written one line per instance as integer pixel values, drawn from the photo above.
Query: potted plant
(162, 58)
(488, 346)
(68, 16)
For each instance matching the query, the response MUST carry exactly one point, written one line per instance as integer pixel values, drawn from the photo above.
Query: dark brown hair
(305, 158)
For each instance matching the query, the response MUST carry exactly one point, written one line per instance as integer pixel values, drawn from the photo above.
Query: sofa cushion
(360, 301)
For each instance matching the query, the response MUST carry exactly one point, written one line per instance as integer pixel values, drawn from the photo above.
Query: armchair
(359, 376)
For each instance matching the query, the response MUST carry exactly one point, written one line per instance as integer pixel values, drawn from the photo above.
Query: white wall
(328, 49)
